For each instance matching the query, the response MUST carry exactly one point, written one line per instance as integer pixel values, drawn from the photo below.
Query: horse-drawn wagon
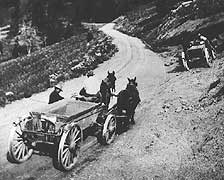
(197, 52)
(63, 126)
(60, 129)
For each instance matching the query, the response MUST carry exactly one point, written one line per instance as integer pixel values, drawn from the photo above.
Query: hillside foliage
(69, 59)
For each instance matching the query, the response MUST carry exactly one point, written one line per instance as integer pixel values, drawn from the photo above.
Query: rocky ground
(178, 132)
(193, 104)
(190, 116)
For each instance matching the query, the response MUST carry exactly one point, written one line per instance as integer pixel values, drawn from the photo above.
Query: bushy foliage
(209, 7)
(31, 74)
(29, 36)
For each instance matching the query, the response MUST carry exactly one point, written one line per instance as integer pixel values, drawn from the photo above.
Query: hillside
(146, 23)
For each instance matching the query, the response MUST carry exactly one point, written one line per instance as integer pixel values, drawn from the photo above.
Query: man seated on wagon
(90, 90)
(55, 96)
(188, 39)
(208, 45)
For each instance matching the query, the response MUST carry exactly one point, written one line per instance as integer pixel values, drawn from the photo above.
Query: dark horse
(128, 99)
(107, 86)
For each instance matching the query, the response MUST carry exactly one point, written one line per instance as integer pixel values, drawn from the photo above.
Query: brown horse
(128, 99)
(107, 87)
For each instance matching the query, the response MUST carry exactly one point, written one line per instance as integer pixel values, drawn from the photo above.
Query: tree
(164, 6)
(15, 17)
(28, 36)
(38, 14)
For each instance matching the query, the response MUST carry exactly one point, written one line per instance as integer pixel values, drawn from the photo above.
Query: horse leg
(132, 113)
(132, 117)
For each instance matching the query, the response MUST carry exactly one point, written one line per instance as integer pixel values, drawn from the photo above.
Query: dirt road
(133, 59)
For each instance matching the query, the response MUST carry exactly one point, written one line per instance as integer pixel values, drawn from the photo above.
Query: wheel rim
(209, 61)
(111, 129)
(69, 148)
(19, 150)
(185, 64)
(208, 58)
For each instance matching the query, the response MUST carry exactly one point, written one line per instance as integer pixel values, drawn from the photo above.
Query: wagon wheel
(185, 62)
(68, 150)
(208, 58)
(19, 149)
(109, 131)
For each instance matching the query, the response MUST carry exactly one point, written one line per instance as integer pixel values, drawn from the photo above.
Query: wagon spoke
(17, 144)
(77, 140)
(17, 137)
(68, 159)
(72, 157)
(66, 145)
(65, 154)
(24, 151)
(71, 135)
(64, 158)
(18, 140)
(20, 151)
(77, 133)
(18, 148)
(18, 133)
(74, 135)
(65, 151)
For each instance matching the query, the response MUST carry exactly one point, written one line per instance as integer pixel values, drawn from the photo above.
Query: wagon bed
(69, 107)
(69, 110)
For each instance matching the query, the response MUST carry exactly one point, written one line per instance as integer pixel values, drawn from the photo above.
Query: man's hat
(90, 73)
(58, 86)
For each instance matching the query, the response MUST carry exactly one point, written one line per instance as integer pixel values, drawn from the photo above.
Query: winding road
(133, 59)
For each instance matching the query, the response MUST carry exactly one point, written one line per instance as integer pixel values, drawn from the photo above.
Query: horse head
(105, 88)
(111, 78)
(132, 83)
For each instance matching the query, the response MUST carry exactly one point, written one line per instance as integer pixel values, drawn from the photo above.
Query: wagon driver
(55, 95)
(208, 44)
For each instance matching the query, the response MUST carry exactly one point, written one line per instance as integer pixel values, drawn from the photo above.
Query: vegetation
(165, 22)
(70, 58)
(54, 20)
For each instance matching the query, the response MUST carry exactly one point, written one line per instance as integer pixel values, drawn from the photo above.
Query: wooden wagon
(197, 52)
(62, 127)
